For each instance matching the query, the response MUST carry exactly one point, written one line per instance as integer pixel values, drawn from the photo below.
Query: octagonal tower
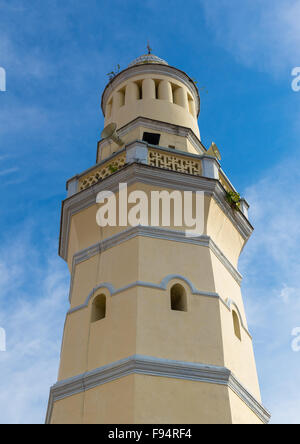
(156, 331)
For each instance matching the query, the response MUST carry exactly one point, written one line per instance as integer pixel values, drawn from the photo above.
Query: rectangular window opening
(151, 138)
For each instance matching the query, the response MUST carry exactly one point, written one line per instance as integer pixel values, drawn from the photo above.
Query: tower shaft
(156, 331)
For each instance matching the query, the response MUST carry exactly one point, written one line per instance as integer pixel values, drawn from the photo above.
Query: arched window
(236, 325)
(99, 308)
(178, 298)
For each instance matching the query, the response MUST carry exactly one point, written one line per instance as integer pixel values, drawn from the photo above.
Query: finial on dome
(149, 48)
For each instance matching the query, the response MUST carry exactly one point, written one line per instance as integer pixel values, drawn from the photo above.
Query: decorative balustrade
(174, 162)
(102, 172)
(156, 157)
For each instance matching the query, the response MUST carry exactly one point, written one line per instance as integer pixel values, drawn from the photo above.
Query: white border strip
(146, 365)
(157, 233)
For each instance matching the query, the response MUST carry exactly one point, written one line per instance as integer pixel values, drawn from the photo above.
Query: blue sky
(56, 56)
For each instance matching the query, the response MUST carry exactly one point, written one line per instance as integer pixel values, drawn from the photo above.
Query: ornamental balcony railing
(101, 172)
(155, 156)
(165, 158)
(174, 162)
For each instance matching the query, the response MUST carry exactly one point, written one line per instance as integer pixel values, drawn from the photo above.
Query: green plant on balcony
(234, 199)
(113, 168)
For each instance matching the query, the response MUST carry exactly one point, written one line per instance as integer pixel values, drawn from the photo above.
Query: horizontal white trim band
(134, 173)
(146, 365)
(157, 233)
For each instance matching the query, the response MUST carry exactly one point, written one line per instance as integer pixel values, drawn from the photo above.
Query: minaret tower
(156, 331)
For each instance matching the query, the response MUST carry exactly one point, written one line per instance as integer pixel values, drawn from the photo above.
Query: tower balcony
(151, 166)
(154, 156)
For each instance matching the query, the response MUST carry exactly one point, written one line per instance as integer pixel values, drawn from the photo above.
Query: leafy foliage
(112, 168)
(234, 199)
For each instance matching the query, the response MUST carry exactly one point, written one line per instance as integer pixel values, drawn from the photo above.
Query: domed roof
(147, 58)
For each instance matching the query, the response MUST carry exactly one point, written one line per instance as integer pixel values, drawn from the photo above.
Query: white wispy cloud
(265, 36)
(4, 157)
(19, 117)
(271, 266)
(262, 34)
(287, 293)
(33, 303)
(31, 63)
(8, 171)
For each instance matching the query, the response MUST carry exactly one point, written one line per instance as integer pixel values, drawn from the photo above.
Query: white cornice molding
(157, 233)
(146, 365)
(146, 174)
(163, 70)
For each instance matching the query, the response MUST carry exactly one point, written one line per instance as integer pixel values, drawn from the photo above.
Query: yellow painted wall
(84, 231)
(149, 106)
(241, 414)
(108, 147)
(140, 399)
(68, 410)
(166, 400)
(111, 403)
